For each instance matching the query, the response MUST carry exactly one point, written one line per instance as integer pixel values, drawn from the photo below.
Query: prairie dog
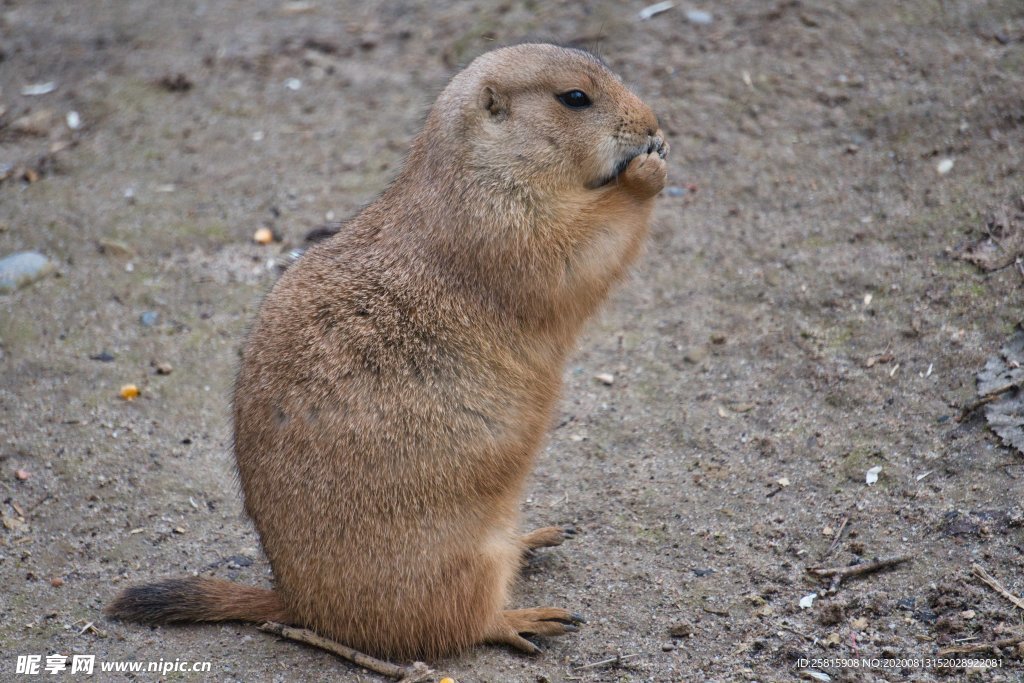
(400, 377)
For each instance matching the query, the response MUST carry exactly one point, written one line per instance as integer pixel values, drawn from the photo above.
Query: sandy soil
(801, 315)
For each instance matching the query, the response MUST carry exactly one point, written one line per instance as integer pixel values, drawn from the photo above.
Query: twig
(39, 502)
(994, 584)
(981, 647)
(840, 573)
(839, 535)
(987, 398)
(416, 672)
(616, 660)
(794, 631)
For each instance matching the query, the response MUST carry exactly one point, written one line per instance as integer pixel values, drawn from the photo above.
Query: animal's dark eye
(574, 99)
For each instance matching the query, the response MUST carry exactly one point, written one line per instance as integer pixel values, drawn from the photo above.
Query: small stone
(22, 475)
(263, 236)
(668, 647)
(164, 368)
(944, 166)
(699, 17)
(293, 84)
(175, 83)
(290, 8)
(23, 268)
(968, 614)
(56, 582)
(605, 378)
(129, 392)
(36, 89)
(103, 357)
(695, 355)
(675, 191)
(179, 530)
(859, 624)
(149, 318)
(116, 248)
(36, 123)
(237, 561)
(74, 120)
(681, 630)
(654, 10)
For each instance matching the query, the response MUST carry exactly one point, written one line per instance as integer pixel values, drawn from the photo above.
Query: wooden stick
(416, 672)
(840, 573)
(839, 535)
(616, 660)
(991, 396)
(981, 647)
(993, 583)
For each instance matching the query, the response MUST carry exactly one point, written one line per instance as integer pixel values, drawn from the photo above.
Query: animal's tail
(197, 599)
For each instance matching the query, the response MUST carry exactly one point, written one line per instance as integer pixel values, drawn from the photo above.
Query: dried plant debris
(999, 386)
(1003, 243)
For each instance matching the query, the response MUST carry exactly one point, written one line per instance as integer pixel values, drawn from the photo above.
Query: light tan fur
(400, 378)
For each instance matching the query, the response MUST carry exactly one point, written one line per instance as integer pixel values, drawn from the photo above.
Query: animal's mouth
(654, 144)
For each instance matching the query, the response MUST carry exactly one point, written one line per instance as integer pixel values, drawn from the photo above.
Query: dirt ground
(802, 315)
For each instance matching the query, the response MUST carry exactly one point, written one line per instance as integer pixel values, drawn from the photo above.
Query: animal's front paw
(646, 174)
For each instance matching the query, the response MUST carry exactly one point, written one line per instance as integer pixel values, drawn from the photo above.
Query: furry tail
(197, 599)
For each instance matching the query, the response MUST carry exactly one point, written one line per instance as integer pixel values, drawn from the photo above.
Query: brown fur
(401, 376)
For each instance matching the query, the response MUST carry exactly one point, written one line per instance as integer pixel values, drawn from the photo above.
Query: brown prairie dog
(400, 378)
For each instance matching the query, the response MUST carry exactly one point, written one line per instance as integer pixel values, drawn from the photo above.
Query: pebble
(681, 630)
(23, 268)
(74, 120)
(37, 123)
(36, 89)
(103, 357)
(116, 248)
(668, 647)
(696, 16)
(695, 355)
(944, 166)
(164, 368)
(237, 561)
(293, 84)
(655, 9)
(675, 191)
(149, 318)
(263, 236)
(605, 378)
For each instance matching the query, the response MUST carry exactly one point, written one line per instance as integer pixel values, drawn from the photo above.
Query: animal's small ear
(495, 103)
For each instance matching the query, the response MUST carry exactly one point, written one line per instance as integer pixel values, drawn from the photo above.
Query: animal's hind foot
(534, 621)
(547, 537)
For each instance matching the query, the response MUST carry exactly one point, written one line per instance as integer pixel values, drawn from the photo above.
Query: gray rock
(23, 268)
(149, 318)
(696, 16)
